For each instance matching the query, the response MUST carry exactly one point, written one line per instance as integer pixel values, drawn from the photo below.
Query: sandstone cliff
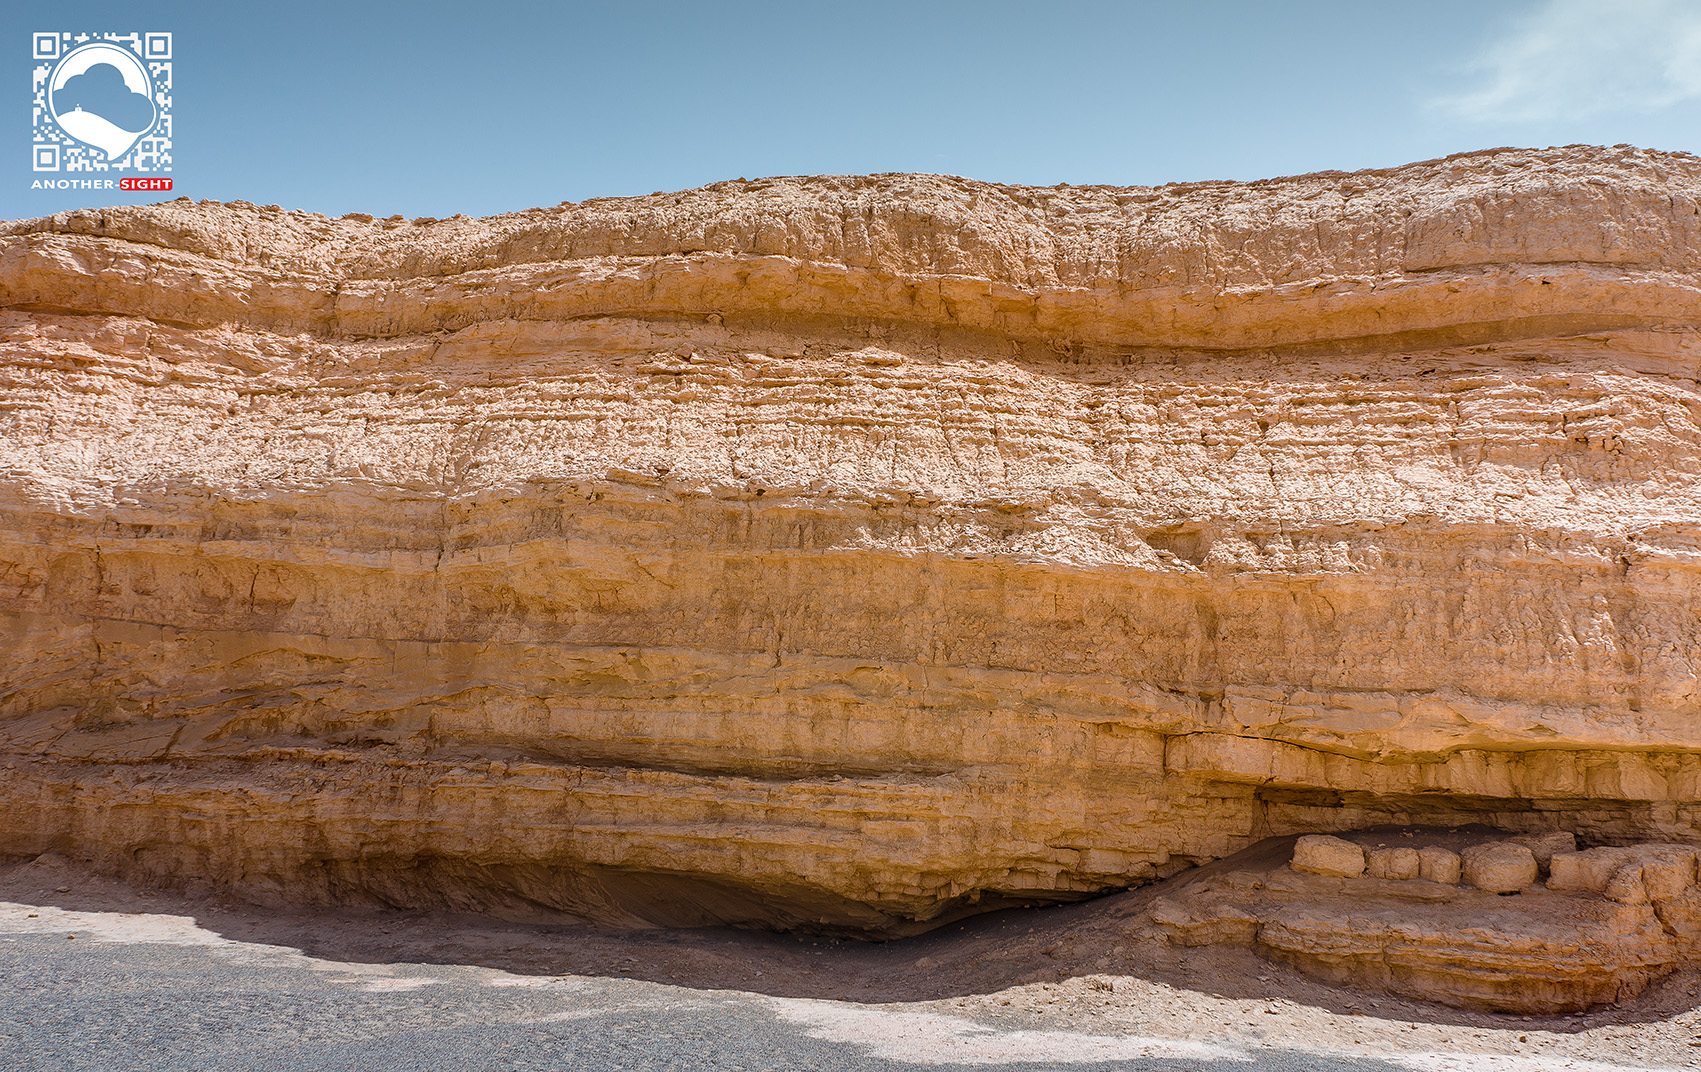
(854, 551)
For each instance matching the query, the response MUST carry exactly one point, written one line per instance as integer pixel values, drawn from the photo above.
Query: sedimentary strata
(850, 551)
(1604, 924)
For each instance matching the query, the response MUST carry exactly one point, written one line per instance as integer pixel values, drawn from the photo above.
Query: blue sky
(431, 108)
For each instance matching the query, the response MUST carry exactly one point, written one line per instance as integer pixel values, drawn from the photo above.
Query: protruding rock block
(1667, 870)
(1499, 867)
(1587, 871)
(1681, 916)
(1631, 874)
(1321, 854)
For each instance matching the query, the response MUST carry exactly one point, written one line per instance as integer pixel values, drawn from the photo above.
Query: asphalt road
(114, 1003)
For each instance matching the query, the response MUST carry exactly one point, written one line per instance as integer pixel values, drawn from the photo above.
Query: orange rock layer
(852, 552)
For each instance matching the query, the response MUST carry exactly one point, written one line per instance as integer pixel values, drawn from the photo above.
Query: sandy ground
(1065, 974)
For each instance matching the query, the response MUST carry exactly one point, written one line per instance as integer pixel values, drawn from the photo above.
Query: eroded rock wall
(850, 550)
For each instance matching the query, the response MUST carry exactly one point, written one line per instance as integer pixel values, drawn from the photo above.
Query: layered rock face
(1604, 924)
(851, 551)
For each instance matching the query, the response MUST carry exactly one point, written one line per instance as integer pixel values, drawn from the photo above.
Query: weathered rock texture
(855, 550)
(1607, 922)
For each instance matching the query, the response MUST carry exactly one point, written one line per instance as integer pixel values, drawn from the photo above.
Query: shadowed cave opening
(545, 891)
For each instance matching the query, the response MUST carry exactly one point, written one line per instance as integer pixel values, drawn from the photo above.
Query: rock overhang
(852, 551)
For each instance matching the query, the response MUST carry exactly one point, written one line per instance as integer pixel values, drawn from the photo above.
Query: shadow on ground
(1077, 944)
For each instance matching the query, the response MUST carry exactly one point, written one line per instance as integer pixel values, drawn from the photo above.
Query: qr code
(102, 102)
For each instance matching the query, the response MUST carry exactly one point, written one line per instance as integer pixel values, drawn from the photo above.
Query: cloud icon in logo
(101, 90)
(100, 95)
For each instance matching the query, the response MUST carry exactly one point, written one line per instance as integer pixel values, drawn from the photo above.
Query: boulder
(1392, 863)
(1499, 867)
(1439, 865)
(1321, 854)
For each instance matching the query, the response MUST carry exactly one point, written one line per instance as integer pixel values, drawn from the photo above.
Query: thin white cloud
(1572, 58)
